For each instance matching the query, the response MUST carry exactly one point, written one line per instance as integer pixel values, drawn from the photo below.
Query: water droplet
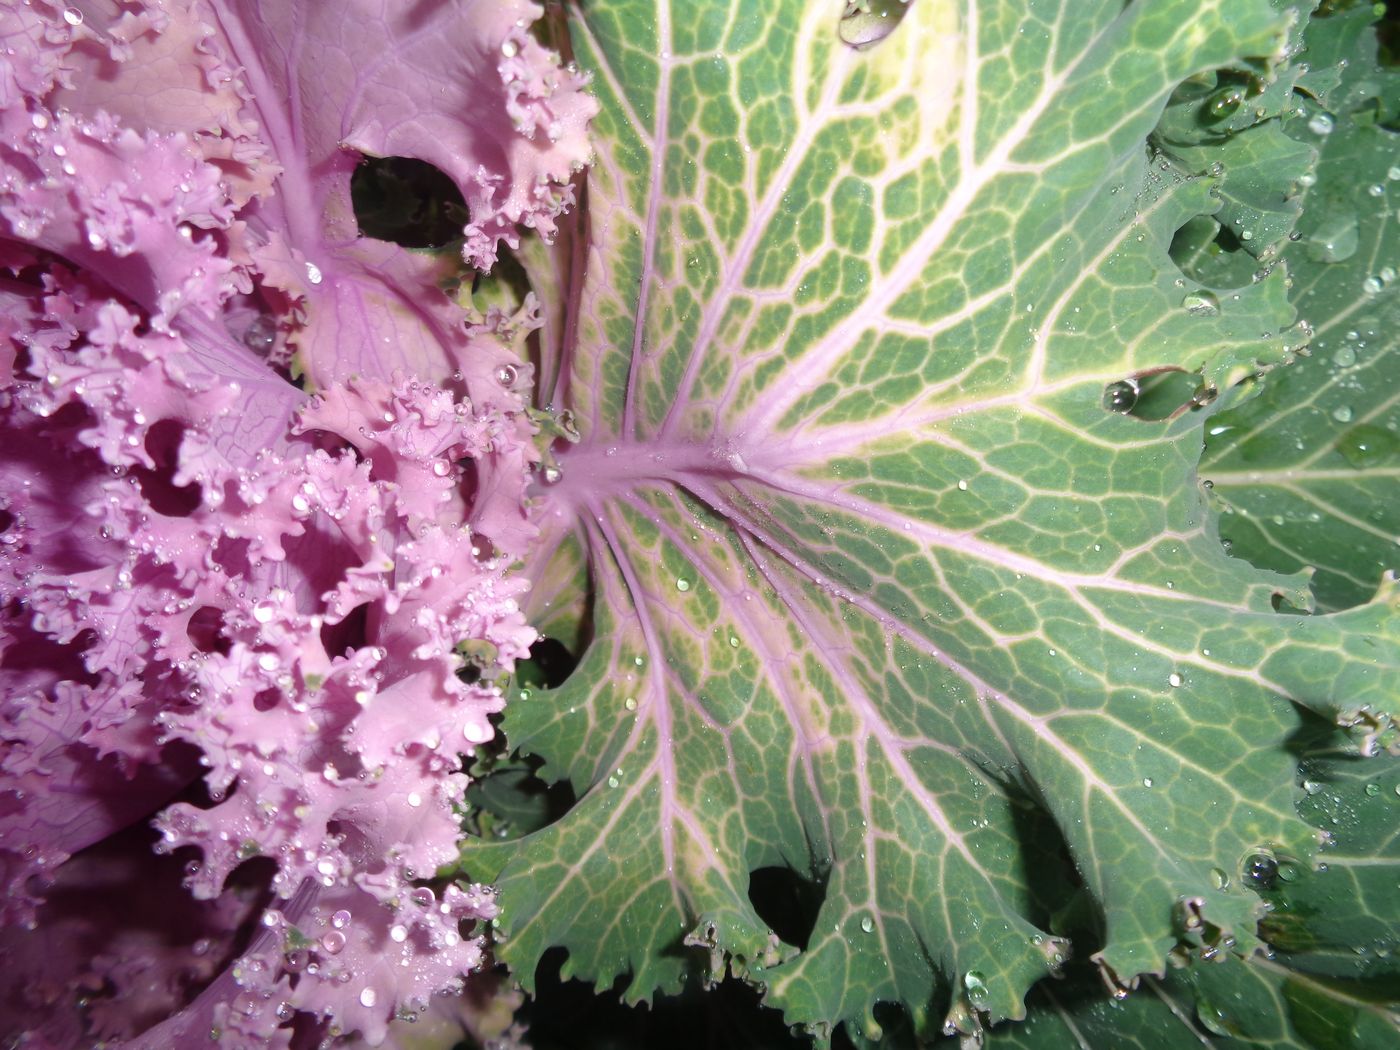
(506, 375)
(1345, 357)
(1372, 286)
(333, 942)
(263, 612)
(1368, 445)
(1376, 189)
(72, 16)
(1223, 103)
(630, 703)
(975, 985)
(1342, 413)
(733, 642)
(1312, 787)
(261, 335)
(552, 475)
(340, 919)
(1213, 1018)
(368, 997)
(1335, 239)
(414, 799)
(1373, 790)
(1120, 396)
(867, 924)
(1174, 679)
(476, 732)
(1321, 124)
(1147, 782)
(398, 933)
(422, 896)
(1261, 870)
(613, 782)
(1201, 303)
(682, 584)
(313, 273)
(866, 25)
(1219, 878)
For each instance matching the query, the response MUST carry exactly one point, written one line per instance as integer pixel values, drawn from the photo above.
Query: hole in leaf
(204, 627)
(158, 485)
(550, 663)
(566, 1014)
(787, 902)
(1211, 254)
(350, 633)
(508, 798)
(866, 22)
(407, 201)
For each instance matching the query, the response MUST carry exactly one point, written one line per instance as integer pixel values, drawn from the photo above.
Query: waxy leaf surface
(877, 581)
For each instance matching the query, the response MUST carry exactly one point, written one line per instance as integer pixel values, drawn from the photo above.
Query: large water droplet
(1342, 413)
(1368, 446)
(1202, 303)
(865, 25)
(72, 16)
(867, 924)
(975, 985)
(1335, 239)
(682, 584)
(1321, 124)
(1261, 870)
(261, 335)
(1120, 396)
(1223, 103)
(506, 375)
(1219, 878)
(1213, 1018)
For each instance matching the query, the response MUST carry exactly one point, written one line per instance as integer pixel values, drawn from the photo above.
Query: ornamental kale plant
(924, 497)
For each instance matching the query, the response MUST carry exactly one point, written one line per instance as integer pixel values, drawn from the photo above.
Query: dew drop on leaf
(867, 924)
(1223, 103)
(976, 987)
(1261, 870)
(1213, 1018)
(682, 584)
(1219, 878)
(1335, 239)
(1202, 303)
(1321, 124)
(864, 25)
(1120, 396)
